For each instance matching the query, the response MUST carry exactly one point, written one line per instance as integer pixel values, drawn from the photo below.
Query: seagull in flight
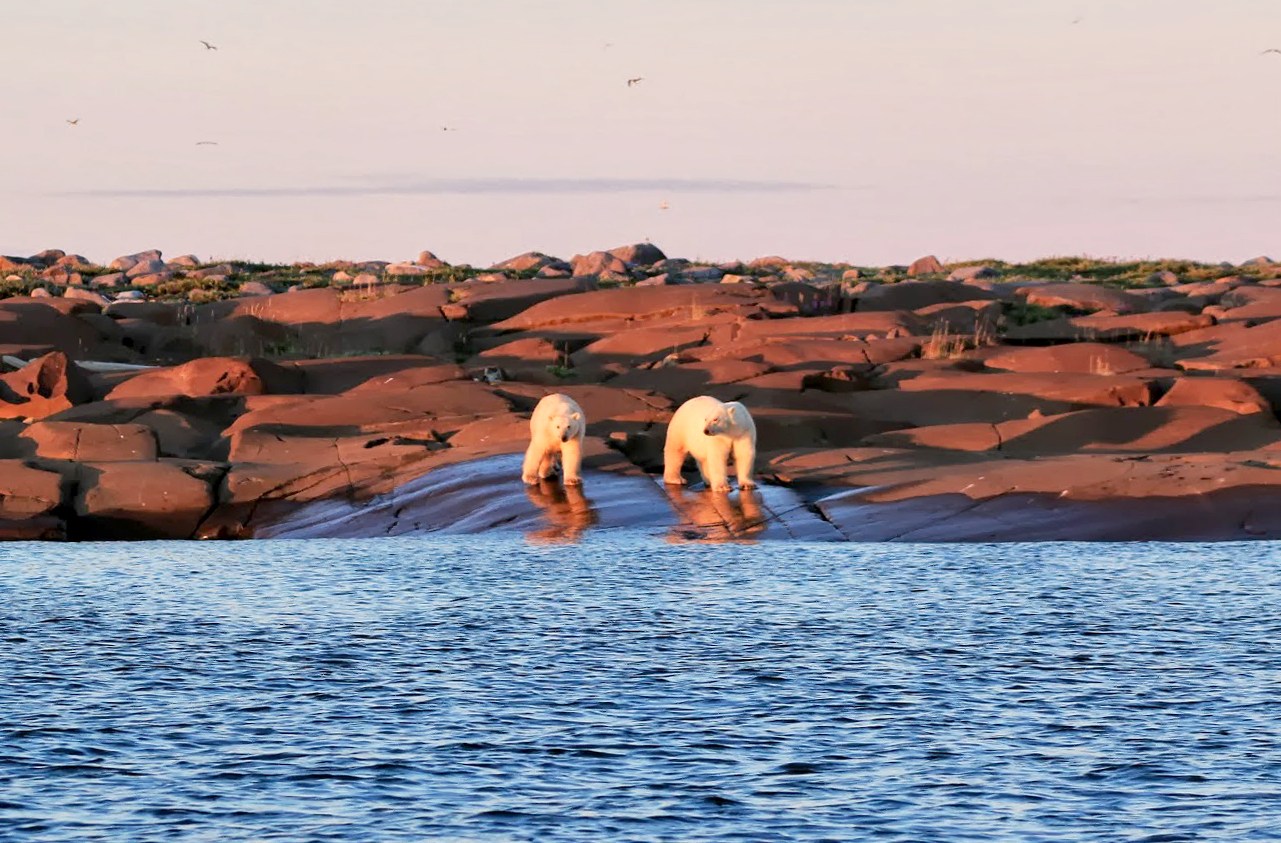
(73, 122)
(1270, 50)
(635, 81)
(208, 46)
(449, 128)
(206, 143)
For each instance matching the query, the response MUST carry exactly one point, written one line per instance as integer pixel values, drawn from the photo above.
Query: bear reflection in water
(567, 510)
(711, 516)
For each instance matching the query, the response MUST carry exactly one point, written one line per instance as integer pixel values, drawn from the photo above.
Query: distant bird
(663, 206)
(1270, 50)
(635, 81)
(206, 143)
(1077, 20)
(449, 128)
(73, 122)
(208, 46)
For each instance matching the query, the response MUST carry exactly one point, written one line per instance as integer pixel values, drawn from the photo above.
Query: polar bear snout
(564, 437)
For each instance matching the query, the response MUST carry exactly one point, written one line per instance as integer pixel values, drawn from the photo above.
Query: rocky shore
(1064, 399)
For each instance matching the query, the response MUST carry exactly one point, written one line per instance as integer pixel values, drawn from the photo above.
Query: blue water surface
(625, 688)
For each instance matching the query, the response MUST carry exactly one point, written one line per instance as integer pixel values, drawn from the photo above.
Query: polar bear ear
(576, 416)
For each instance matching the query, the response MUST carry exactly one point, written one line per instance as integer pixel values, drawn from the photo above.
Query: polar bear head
(567, 426)
(728, 419)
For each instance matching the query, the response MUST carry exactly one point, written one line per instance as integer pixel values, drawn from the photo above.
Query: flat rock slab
(486, 495)
(1237, 514)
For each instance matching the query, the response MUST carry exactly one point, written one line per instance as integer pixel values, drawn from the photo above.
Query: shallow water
(629, 689)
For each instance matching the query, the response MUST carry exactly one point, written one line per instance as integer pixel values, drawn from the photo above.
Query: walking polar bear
(555, 432)
(710, 431)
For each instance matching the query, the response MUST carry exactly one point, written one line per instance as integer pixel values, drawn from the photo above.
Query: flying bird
(206, 143)
(635, 81)
(1270, 50)
(208, 46)
(449, 128)
(73, 122)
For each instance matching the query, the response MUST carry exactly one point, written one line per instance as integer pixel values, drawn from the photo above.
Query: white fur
(711, 431)
(555, 432)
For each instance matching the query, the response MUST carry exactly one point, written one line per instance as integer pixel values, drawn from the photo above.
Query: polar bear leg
(673, 460)
(744, 461)
(714, 467)
(547, 466)
(531, 468)
(571, 462)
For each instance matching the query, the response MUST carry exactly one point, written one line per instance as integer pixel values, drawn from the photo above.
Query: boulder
(127, 262)
(1084, 297)
(600, 263)
(203, 376)
(1223, 393)
(638, 254)
(82, 441)
(140, 500)
(430, 261)
(27, 491)
(927, 265)
(972, 273)
(46, 385)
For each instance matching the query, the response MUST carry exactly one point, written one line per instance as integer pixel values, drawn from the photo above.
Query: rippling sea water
(630, 689)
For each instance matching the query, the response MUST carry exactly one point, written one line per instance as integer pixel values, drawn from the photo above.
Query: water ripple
(627, 689)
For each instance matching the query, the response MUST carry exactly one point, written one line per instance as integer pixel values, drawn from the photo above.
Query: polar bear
(710, 431)
(555, 430)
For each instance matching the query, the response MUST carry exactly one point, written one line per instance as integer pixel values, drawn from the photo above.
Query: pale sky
(868, 131)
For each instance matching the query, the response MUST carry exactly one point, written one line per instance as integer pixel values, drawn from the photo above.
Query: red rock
(599, 263)
(927, 265)
(914, 295)
(125, 262)
(861, 325)
(49, 322)
(429, 260)
(154, 500)
(495, 301)
(1224, 393)
(1251, 304)
(82, 442)
(1233, 346)
(28, 492)
(1076, 389)
(636, 303)
(1080, 358)
(335, 376)
(1138, 326)
(43, 387)
(638, 254)
(682, 382)
(203, 376)
(446, 405)
(1088, 297)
